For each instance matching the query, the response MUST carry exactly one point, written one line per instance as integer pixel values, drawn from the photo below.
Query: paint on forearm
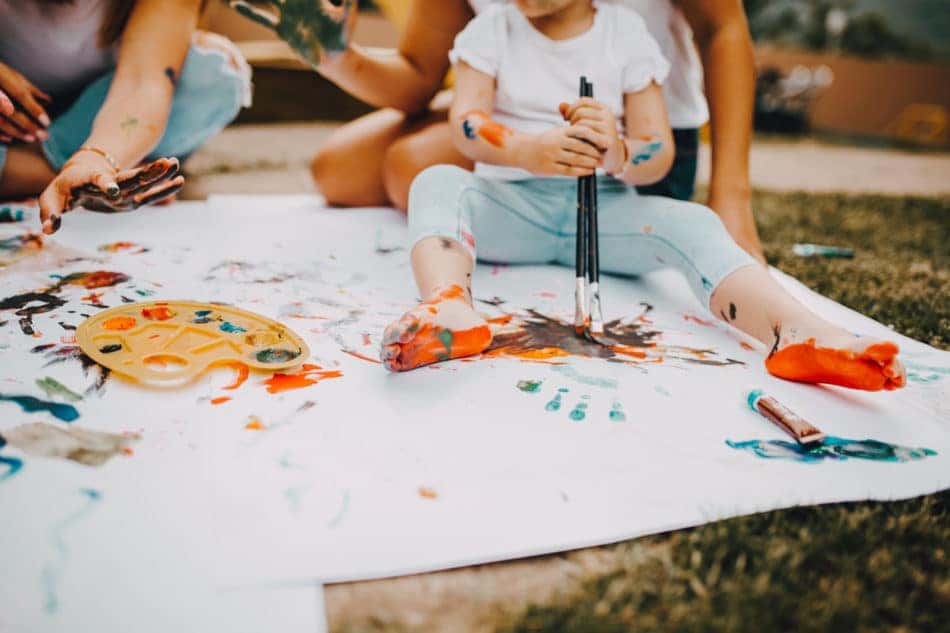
(170, 73)
(649, 148)
(128, 125)
(476, 124)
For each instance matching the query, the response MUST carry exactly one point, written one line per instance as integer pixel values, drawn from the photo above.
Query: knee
(403, 162)
(328, 169)
(216, 66)
(433, 182)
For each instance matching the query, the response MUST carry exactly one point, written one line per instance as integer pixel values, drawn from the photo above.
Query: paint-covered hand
(22, 117)
(593, 115)
(317, 30)
(88, 181)
(562, 151)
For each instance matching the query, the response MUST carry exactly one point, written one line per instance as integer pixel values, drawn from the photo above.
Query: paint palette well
(173, 342)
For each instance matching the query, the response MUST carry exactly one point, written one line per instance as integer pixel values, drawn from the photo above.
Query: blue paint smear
(924, 374)
(568, 371)
(832, 448)
(554, 404)
(230, 328)
(13, 464)
(202, 316)
(52, 572)
(468, 130)
(29, 404)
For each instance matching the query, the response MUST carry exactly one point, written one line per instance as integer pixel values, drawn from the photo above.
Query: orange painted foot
(871, 366)
(437, 330)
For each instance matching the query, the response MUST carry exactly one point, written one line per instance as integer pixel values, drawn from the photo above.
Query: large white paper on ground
(374, 474)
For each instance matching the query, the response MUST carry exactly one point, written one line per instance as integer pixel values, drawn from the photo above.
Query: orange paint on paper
(128, 452)
(243, 371)
(254, 424)
(628, 350)
(307, 376)
(220, 400)
(366, 339)
(696, 319)
(362, 357)
(95, 298)
(540, 354)
(746, 346)
(871, 370)
(428, 493)
(119, 323)
(159, 312)
(502, 320)
(99, 279)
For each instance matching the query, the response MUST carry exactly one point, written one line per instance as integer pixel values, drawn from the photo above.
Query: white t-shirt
(55, 46)
(683, 89)
(534, 73)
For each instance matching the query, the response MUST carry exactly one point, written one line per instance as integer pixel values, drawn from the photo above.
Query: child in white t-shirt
(517, 115)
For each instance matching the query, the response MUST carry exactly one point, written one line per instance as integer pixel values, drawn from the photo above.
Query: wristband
(101, 152)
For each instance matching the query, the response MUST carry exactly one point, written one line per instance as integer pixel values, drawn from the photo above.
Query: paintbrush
(581, 316)
(801, 430)
(595, 313)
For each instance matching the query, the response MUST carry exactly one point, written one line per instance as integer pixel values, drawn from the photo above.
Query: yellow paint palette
(173, 342)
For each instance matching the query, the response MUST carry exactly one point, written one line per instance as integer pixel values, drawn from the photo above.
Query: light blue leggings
(209, 94)
(534, 222)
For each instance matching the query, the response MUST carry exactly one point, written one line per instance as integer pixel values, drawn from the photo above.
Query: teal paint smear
(202, 316)
(294, 495)
(568, 371)
(13, 464)
(276, 355)
(52, 572)
(832, 449)
(341, 513)
(446, 337)
(554, 404)
(230, 328)
(145, 293)
(29, 404)
(530, 386)
(616, 413)
(924, 374)
(54, 388)
(663, 391)
(579, 412)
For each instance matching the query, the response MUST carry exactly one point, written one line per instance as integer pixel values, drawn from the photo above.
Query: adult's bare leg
(25, 173)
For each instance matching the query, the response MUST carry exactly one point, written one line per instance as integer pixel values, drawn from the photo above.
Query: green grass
(863, 567)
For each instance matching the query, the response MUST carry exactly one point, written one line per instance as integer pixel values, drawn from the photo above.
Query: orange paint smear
(628, 350)
(869, 371)
(119, 323)
(538, 355)
(428, 493)
(95, 298)
(255, 424)
(362, 357)
(243, 371)
(746, 346)
(502, 320)
(307, 376)
(99, 279)
(696, 319)
(495, 133)
(160, 312)
(427, 346)
(220, 400)
(128, 452)
(366, 339)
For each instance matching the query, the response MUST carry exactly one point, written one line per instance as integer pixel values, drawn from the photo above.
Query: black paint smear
(777, 331)
(108, 349)
(170, 73)
(732, 312)
(101, 306)
(67, 326)
(56, 354)
(494, 301)
(47, 303)
(42, 348)
(126, 299)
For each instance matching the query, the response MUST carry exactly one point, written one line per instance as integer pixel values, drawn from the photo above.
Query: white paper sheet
(374, 474)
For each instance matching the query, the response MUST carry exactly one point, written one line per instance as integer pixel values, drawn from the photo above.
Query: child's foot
(439, 329)
(840, 359)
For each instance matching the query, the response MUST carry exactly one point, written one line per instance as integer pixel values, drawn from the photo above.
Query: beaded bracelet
(101, 152)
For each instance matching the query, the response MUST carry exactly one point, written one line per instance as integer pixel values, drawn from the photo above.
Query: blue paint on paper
(832, 448)
(29, 404)
(52, 572)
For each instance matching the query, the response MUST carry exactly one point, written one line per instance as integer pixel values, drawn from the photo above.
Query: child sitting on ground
(521, 62)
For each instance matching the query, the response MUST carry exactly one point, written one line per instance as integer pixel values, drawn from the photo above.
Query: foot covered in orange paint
(846, 361)
(444, 327)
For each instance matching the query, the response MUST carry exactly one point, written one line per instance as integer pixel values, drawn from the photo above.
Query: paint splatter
(160, 312)
(530, 386)
(276, 355)
(663, 391)
(568, 371)
(83, 446)
(307, 376)
(832, 448)
(536, 337)
(13, 464)
(116, 247)
(428, 493)
(63, 353)
(29, 404)
(362, 356)
(91, 280)
(220, 400)
(29, 304)
(230, 328)
(925, 374)
(554, 404)
(616, 413)
(243, 371)
(646, 152)
(54, 570)
(579, 412)
(119, 323)
(254, 424)
(54, 388)
(111, 348)
(696, 319)
(202, 316)
(341, 513)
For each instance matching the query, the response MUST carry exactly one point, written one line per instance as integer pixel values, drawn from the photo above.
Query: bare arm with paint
(565, 151)
(133, 117)
(645, 153)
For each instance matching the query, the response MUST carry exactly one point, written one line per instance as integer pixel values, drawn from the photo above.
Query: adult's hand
(89, 181)
(21, 115)
(315, 29)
